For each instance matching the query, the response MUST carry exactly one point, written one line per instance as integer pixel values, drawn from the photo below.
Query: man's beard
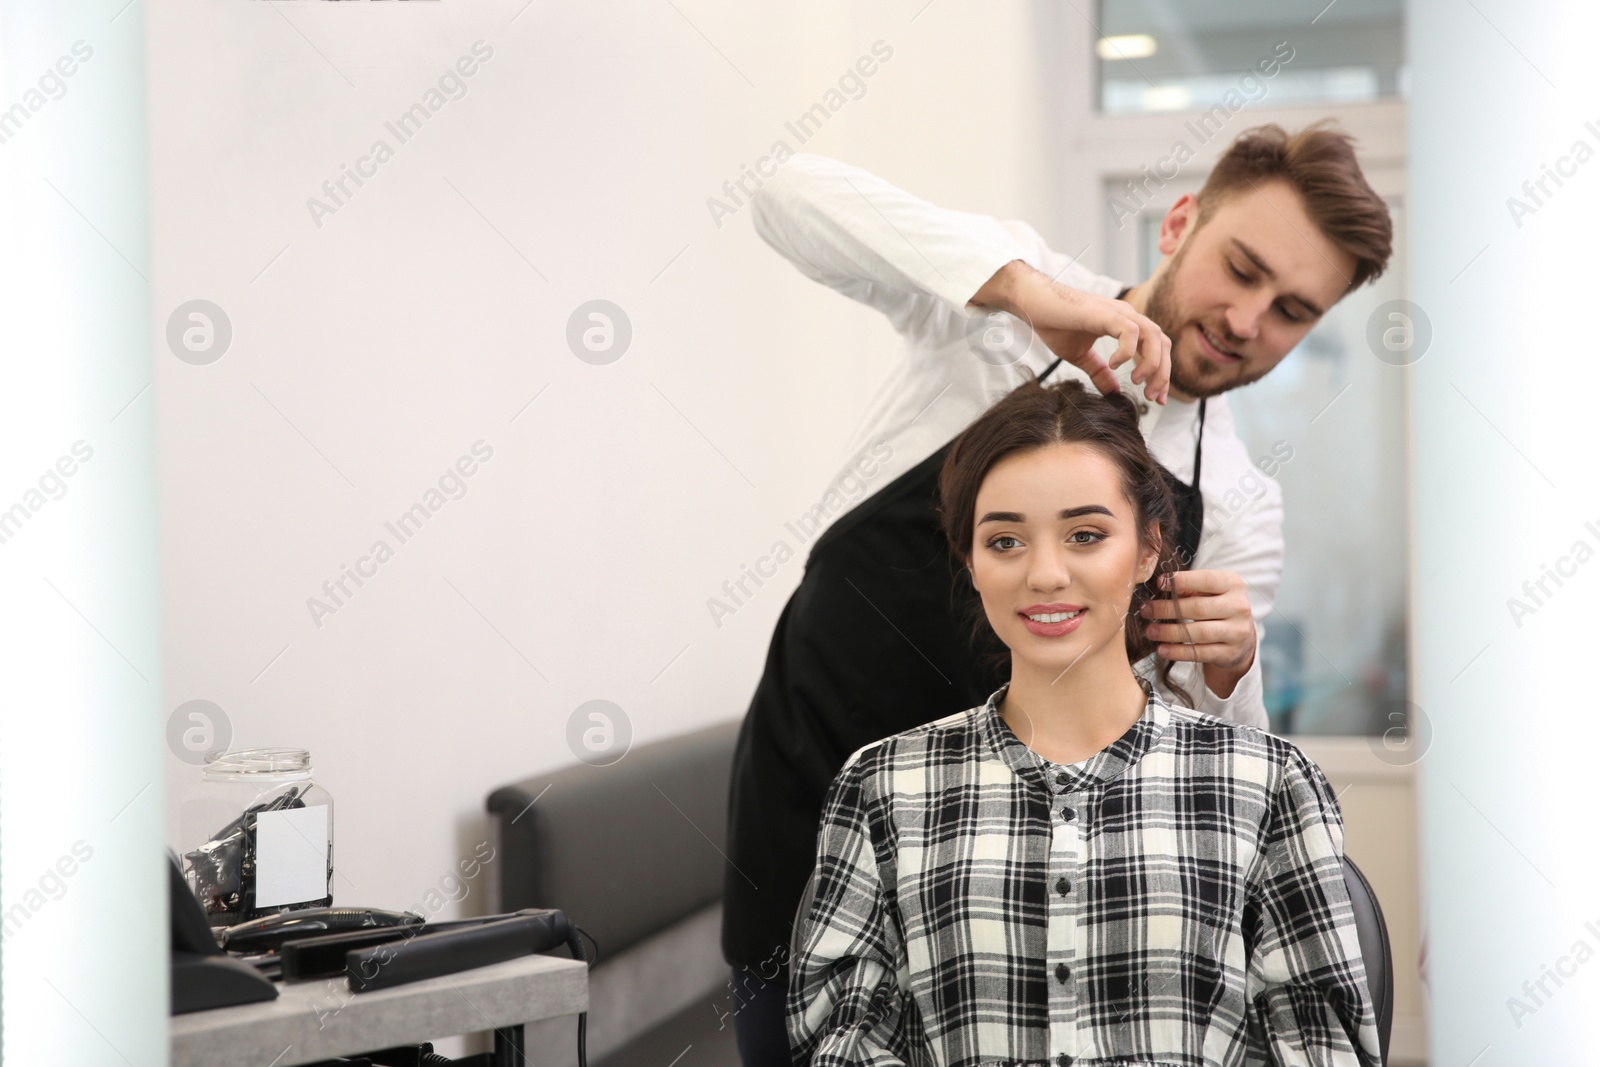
(1192, 373)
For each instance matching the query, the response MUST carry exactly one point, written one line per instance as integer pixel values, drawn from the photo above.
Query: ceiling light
(1167, 98)
(1126, 46)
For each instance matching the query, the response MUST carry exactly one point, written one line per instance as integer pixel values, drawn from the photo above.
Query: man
(876, 639)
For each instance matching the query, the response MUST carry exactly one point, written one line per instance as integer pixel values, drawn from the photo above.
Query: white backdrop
(374, 346)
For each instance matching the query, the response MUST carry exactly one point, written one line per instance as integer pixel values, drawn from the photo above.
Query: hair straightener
(380, 957)
(270, 931)
(310, 955)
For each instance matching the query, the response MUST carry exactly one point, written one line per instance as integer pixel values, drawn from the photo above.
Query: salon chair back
(1371, 931)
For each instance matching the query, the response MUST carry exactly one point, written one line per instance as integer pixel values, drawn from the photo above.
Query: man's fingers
(1161, 379)
(1157, 363)
(1103, 377)
(1195, 607)
(1070, 321)
(1189, 583)
(1195, 633)
(1085, 359)
(1196, 653)
(1126, 331)
(1142, 341)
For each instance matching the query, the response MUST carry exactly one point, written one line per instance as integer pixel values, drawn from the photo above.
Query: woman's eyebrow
(1066, 513)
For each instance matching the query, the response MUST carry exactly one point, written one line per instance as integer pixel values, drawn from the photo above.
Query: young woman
(1077, 871)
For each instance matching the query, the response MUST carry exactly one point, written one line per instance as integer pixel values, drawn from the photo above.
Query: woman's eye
(1285, 313)
(995, 542)
(1239, 274)
(1085, 537)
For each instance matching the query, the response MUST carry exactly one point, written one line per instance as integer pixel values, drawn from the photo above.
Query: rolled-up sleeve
(1307, 984)
(876, 243)
(845, 1001)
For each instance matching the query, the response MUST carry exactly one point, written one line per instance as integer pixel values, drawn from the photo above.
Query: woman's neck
(1067, 716)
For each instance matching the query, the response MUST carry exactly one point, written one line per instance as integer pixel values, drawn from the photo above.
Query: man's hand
(1069, 321)
(1220, 632)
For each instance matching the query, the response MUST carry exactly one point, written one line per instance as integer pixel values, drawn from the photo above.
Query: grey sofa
(632, 853)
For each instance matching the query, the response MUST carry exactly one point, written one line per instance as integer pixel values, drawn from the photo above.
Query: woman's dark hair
(1034, 416)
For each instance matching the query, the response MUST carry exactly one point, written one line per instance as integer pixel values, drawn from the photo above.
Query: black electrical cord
(575, 936)
(592, 941)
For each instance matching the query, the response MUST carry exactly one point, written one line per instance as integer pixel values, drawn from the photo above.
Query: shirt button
(1068, 814)
(1063, 886)
(1062, 779)
(1063, 1060)
(1061, 972)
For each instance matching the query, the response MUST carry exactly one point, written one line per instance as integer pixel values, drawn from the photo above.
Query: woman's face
(1056, 554)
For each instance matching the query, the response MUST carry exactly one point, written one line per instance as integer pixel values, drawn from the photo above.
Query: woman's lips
(1212, 352)
(1052, 629)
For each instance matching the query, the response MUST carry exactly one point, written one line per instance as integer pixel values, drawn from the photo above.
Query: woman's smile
(1052, 620)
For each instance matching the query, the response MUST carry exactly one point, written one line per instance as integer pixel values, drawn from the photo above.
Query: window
(1160, 55)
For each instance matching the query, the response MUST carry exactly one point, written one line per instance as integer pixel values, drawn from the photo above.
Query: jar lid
(278, 762)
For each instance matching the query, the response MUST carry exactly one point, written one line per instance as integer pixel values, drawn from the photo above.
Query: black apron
(877, 639)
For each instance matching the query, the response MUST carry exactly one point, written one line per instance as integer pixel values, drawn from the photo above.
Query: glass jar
(258, 835)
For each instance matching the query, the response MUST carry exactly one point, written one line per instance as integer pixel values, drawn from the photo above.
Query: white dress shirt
(920, 265)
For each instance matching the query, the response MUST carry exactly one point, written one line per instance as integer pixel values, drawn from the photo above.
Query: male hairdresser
(876, 639)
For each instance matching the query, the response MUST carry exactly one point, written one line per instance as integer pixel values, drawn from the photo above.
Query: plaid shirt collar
(1099, 769)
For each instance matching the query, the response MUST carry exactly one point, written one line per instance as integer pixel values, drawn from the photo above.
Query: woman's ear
(1149, 556)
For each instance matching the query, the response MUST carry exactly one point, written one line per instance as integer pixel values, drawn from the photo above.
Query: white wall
(368, 354)
(1505, 487)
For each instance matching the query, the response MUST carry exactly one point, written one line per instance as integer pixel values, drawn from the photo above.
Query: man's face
(1237, 293)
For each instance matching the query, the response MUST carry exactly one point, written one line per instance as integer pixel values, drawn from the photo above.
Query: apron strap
(1190, 505)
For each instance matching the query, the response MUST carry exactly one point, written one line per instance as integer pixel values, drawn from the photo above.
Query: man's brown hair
(1319, 162)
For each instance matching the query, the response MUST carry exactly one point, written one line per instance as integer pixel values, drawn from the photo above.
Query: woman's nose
(1048, 570)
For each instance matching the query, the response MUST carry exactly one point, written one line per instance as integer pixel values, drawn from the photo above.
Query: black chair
(1371, 931)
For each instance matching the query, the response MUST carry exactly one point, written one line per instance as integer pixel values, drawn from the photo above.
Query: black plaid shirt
(1176, 898)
